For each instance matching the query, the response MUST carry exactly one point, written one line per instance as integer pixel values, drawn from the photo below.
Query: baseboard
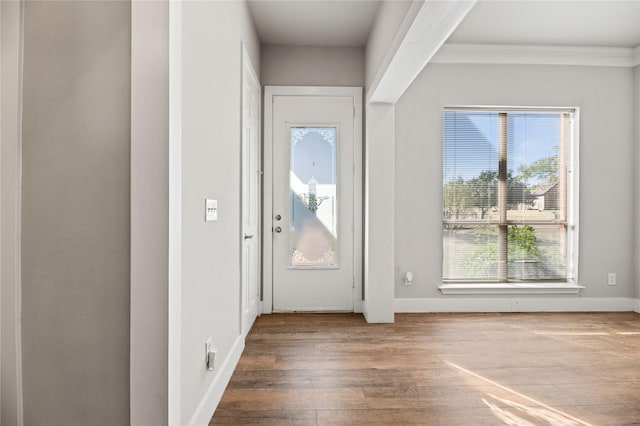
(636, 305)
(264, 308)
(517, 304)
(378, 313)
(212, 396)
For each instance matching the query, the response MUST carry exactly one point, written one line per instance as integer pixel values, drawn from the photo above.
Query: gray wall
(605, 98)
(312, 66)
(211, 142)
(75, 213)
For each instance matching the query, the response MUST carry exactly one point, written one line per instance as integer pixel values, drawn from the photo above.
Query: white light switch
(210, 210)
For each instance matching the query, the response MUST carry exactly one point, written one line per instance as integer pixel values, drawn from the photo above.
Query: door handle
(277, 229)
(248, 237)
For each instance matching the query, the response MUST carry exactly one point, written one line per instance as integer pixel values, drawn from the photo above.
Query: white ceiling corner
(592, 23)
(563, 32)
(335, 23)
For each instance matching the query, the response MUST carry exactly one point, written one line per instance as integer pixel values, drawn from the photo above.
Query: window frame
(570, 285)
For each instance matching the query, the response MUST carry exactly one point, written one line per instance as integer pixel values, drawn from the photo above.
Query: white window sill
(511, 288)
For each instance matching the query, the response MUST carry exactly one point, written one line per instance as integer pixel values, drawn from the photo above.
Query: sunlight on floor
(511, 412)
(571, 333)
(586, 333)
(511, 418)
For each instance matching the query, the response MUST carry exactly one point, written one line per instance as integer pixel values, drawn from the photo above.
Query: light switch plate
(210, 210)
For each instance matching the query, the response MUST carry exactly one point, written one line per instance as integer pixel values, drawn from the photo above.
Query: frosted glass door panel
(313, 207)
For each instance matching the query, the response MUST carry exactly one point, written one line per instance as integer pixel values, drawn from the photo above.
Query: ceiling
(314, 23)
(607, 23)
(614, 23)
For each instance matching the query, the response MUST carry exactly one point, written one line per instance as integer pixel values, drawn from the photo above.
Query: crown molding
(456, 53)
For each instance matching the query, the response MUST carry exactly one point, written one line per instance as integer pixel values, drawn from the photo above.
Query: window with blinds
(507, 201)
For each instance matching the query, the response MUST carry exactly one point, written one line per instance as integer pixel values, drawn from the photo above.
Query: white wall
(75, 213)
(312, 66)
(605, 98)
(385, 36)
(388, 30)
(379, 239)
(211, 141)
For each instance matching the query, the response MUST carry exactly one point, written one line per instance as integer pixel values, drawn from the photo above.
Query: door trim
(266, 306)
(11, 67)
(248, 71)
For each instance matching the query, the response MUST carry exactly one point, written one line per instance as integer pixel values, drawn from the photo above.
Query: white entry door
(251, 93)
(313, 203)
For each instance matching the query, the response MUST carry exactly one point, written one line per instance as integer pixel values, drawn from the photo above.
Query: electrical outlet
(209, 355)
(611, 278)
(408, 279)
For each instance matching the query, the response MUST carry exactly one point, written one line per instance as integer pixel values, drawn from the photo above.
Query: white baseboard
(516, 304)
(207, 406)
(380, 313)
(264, 308)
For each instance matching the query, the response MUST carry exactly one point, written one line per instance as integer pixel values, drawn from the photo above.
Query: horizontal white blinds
(521, 235)
(470, 165)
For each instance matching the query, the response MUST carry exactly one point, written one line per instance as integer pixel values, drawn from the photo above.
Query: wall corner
(149, 394)
(379, 212)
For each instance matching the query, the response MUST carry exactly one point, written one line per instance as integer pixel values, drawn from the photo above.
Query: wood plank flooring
(438, 369)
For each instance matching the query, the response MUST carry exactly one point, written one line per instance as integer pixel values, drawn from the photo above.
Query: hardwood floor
(438, 369)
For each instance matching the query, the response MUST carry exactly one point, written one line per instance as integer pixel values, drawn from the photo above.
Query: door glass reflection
(314, 203)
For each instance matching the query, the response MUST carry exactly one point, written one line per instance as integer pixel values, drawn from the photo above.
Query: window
(509, 195)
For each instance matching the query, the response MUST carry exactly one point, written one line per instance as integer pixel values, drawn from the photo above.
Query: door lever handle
(248, 237)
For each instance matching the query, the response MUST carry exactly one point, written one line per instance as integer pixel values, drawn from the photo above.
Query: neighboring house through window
(509, 195)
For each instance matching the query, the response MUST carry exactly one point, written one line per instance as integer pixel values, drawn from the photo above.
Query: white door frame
(267, 196)
(248, 71)
(11, 39)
